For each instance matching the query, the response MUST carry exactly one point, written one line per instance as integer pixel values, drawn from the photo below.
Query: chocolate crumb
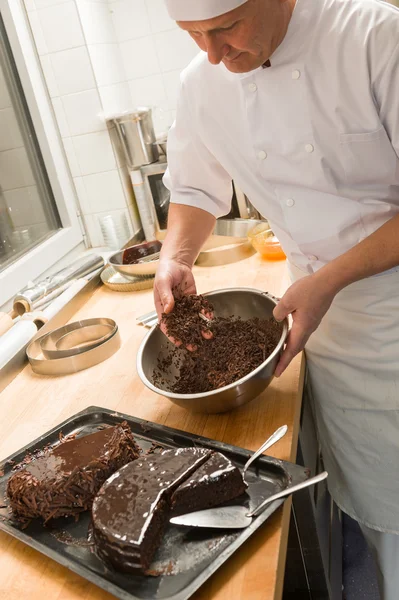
(168, 569)
(184, 322)
(153, 573)
(68, 539)
(154, 448)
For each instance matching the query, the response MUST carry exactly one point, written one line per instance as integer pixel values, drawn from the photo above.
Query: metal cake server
(275, 437)
(238, 517)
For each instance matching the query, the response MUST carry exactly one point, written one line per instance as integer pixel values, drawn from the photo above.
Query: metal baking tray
(187, 557)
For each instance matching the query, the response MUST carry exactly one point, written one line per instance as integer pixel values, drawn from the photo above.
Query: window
(28, 213)
(39, 222)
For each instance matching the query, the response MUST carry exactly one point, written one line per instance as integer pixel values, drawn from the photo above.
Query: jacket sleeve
(194, 176)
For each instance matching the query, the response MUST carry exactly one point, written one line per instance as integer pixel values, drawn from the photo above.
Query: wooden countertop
(32, 404)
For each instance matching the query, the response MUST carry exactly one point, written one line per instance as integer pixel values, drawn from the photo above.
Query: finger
(192, 347)
(296, 342)
(174, 341)
(207, 313)
(281, 311)
(158, 305)
(165, 295)
(206, 334)
(188, 287)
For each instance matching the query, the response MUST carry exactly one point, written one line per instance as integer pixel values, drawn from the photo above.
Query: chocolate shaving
(236, 348)
(63, 493)
(31, 456)
(66, 538)
(154, 448)
(184, 323)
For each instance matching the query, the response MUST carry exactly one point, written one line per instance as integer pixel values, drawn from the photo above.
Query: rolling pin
(15, 339)
(6, 320)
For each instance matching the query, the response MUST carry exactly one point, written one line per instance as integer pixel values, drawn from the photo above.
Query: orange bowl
(265, 243)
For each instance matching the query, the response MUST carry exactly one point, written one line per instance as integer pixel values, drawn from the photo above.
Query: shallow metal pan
(190, 557)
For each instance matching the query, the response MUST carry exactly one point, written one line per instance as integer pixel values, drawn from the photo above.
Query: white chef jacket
(313, 140)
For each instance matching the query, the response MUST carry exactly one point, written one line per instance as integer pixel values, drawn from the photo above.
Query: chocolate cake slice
(63, 481)
(132, 509)
(215, 482)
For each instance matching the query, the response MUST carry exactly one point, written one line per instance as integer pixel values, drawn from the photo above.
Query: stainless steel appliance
(157, 197)
(137, 138)
(133, 137)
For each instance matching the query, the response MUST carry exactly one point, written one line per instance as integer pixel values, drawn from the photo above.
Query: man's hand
(307, 300)
(188, 228)
(172, 278)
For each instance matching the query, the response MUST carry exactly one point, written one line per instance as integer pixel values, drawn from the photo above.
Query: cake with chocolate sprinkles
(132, 509)
(63, 481)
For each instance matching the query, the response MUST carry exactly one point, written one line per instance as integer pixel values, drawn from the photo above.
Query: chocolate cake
(132, 509)
(215, 482)
(63, 481)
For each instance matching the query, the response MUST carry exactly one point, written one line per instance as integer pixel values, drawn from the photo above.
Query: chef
(298, 102)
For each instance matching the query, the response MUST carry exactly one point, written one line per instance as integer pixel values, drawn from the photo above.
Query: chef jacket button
(312, 257)
(290, 202)
(309, 148)
(295, 74)
(252, 87)
(262, 155)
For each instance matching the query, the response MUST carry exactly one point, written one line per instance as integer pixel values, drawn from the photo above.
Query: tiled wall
(101, 57)
(154, 51)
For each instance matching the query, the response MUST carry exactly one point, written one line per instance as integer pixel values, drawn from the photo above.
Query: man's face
(244, 38)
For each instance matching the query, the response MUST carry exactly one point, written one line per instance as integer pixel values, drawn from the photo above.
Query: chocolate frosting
(69, 455)
(131, 499)
(132, 508)
(64, 480)
(216, 466)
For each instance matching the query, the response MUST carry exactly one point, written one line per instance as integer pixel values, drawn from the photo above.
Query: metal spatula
(275, 437)
(238, 517)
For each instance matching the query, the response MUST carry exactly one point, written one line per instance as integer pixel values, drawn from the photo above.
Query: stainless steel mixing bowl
(242, 302)
(127, 261)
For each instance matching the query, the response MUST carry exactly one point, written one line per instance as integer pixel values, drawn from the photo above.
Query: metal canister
(136, 134)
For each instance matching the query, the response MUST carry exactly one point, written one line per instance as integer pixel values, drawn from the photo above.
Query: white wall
(154, 51)
(101, 57)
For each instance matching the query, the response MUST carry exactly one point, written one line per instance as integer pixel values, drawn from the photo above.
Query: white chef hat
(199, 10)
